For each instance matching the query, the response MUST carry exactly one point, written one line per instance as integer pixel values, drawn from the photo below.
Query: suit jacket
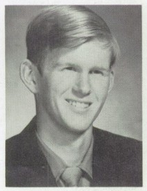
(116, 161)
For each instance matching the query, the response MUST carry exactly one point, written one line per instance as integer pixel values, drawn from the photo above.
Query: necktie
(71, 176)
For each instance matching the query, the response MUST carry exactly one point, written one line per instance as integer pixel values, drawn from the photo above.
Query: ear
(111, 81)
(28, 75)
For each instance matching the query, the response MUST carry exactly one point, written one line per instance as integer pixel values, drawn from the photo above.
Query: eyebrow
(77, 66)
(66, 64)
(100, 68)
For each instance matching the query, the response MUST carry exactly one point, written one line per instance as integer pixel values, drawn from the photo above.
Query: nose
(82, 87)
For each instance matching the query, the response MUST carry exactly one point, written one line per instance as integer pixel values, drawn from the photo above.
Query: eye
(96, 72)
(70, 68)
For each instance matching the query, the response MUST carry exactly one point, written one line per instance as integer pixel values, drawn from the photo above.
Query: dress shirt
(58, 166)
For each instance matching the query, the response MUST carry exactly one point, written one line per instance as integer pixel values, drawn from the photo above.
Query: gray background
(122, 113)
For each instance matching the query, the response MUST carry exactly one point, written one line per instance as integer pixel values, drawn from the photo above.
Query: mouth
(79, 104)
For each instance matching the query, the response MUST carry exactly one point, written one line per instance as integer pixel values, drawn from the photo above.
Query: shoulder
(116, 144)
(18, 151)
(121, 151)
(121, 157)
(13, 147)
(19, 146)
(112, 139)
(24, 159)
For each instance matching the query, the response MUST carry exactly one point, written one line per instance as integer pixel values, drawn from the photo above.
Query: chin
(78, 128)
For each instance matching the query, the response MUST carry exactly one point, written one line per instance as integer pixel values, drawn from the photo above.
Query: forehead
(90, 54)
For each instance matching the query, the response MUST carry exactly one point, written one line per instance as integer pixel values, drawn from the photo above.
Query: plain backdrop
(122, 112)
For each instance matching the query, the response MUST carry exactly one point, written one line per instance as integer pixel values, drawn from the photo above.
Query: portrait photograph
(74, 95)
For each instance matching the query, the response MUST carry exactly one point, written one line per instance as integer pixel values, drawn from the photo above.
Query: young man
(69, 69)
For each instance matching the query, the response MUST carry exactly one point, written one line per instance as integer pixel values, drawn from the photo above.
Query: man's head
(66, 27)
(71, 53)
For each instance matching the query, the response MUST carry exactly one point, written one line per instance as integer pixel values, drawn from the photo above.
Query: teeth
(78, 104)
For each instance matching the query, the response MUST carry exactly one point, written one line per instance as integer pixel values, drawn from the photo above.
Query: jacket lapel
(34, 160)
(102, 164)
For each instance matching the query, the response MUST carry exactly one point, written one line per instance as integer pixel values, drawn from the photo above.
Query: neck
(69, 146)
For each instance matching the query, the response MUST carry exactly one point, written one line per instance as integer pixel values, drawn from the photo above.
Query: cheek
(100, 88)
(61, 82)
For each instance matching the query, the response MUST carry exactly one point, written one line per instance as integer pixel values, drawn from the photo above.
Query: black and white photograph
(73, 94)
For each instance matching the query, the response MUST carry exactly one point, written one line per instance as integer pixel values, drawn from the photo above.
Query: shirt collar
(57, 165)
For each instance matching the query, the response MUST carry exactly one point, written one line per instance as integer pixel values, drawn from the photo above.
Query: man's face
(74, 85)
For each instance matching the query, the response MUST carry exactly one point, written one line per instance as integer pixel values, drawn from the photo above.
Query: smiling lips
(81, 105)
